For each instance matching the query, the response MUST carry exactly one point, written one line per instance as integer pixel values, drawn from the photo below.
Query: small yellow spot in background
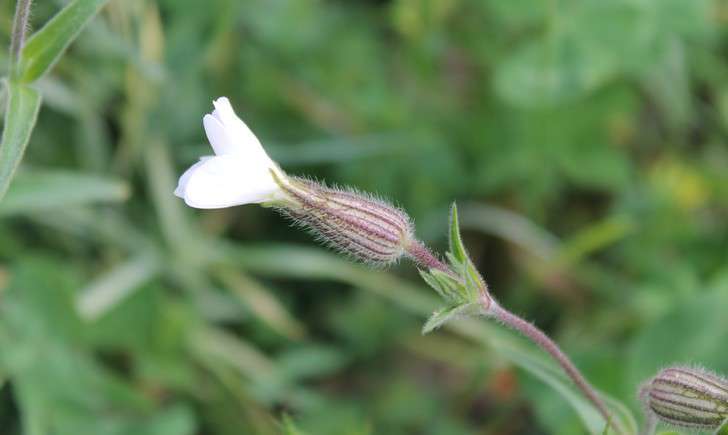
(679, 182)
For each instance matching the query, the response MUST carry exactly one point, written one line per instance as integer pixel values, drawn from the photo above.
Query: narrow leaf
(457, 265)
(36, 190)
(46, 46)
(20, 116)
(262, 303)
(455, 291)
(444, 315)
(116, 285)
(432, 282)
(456, 242)
(219, 344)
(475, 280)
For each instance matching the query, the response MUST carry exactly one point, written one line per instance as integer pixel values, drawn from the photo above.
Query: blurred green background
(584, 141)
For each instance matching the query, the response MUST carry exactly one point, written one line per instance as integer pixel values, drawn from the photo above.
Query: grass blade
(116, 285)
(41, 190)
(262, 304)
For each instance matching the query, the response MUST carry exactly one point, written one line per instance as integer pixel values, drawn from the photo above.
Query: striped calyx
(357, 224)
(687, 397)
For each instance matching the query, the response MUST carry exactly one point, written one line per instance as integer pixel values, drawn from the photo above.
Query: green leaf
(543, 75)
(114, 286)
(455, 291)
(678, 336)
(435, 284)
(309, 362)
(20, 116)
(449, 288)
(46, 46)
(262, 303)
(456, 242)
(41, 190)
(60, 385)
(444, 315)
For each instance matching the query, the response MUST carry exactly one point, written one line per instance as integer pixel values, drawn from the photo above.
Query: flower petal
(224, 110)
(217, 136)
(228, 180)
(240, 139)
(182, 183)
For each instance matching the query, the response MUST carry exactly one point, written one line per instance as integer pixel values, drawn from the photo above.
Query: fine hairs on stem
(422, 256)
(543, 341)
(20, 28)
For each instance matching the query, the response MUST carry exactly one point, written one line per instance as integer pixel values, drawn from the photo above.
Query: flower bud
(687, 397)
(357, 224)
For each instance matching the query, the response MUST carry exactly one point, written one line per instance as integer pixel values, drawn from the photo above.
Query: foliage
(583, 140)
(462, 291)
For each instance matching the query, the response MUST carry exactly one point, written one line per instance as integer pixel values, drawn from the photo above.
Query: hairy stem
(20, 27)
(544, 342)
(422, 255)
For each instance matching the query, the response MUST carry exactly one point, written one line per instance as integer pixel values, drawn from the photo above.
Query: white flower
(238, 173)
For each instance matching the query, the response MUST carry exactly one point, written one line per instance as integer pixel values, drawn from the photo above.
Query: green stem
(17, 39)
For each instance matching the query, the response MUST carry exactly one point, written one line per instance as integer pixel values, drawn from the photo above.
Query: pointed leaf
(454, 289)
(456, 243)
(20, 116)
(475, 279)
(457, 265)
(447, 314)
(46, 46)
(445, 278)
(444, 285)
(432, 282)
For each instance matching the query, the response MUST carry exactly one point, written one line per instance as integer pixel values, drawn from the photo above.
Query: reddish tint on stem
(544, 342)
(421, 255)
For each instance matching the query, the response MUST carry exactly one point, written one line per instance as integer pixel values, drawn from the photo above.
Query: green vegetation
(585, 142)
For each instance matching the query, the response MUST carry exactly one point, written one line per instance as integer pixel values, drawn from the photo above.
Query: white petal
(217, 136)
(224, 110)
(240, 139)
(225, 181)
(182, 183)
